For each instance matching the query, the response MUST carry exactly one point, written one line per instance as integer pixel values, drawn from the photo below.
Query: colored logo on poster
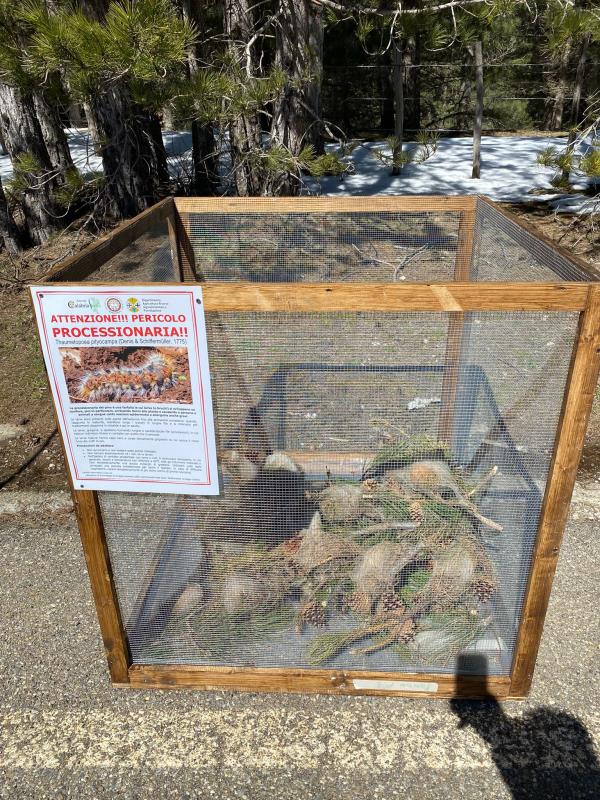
(113, 304)
(133, 305)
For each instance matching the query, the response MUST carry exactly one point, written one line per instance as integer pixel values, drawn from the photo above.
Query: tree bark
(463, 111)
(10, 236)
(478, 121)
(54, 134)
(555, 120)
(398, 82)
(23, 137)
(204, 158)
(579, 79)
(129, 140)
(133, 161)
(299, 54)
(245, 132)
(412, 78)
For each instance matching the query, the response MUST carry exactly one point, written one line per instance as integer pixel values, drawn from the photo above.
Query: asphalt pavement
(65, 733)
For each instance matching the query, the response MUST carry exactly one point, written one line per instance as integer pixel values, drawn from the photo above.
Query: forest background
(274, 95)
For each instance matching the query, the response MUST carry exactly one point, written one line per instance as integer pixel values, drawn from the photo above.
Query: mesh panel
(146, 260)
(326, 548)
(506, 252)
(365, 247)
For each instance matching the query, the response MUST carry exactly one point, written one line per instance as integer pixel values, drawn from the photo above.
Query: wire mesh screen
(365, 520)
(295, 247)
(147, 259)
(504, 251)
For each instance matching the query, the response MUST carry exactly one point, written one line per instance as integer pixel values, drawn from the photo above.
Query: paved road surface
(65, 733)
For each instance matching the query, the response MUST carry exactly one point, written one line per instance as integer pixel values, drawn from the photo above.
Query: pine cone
(391, 603)
(360, 602)
(407, 631)
(484, 588)
(313, 613)
(415, 511)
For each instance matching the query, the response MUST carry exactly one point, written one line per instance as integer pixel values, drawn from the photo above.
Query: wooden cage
(324, 316)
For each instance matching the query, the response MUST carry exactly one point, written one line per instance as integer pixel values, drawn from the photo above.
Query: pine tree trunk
(464, 95)
(133, 160)
(129, 139)
(95, 140)
(23, 138)
(398, 81)
(76, 115)
(579, 79)
(204, 158)
(386, 89)
(54, 134)
(299, 54)
(478, 121)
(245, 132)
(412, 78)
(555, 120)
(10, 236)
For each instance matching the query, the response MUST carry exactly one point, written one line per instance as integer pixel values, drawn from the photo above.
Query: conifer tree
(120, 60)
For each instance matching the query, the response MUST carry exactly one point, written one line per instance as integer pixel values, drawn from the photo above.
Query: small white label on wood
(395, 686)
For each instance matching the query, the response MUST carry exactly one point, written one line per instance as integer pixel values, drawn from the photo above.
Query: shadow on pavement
(541, 754)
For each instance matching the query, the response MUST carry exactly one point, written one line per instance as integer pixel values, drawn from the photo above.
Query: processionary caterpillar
(147, 380)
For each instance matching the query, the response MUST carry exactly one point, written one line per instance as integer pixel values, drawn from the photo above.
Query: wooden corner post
(577, 405)
(97, 559)
(456, 325)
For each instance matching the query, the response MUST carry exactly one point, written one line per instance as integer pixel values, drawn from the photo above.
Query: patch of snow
(509, 172)
(509, 169)
(178, 145)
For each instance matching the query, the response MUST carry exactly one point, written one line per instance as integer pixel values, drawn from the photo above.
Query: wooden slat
(174, 243)
(97, 559)
(288, 205)
(233, 296)
(574, 259)
(582, 381)
(454, 342)
(187, 256)
(310, 681)
(83, 264)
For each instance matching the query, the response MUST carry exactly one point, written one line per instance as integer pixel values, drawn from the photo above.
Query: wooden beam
(316, 681)
(390, 297)
(187, 257)
(174, 243)
(313, 205)
(583, 269)
(456, 324)
(581, 386)
(97, 559)
(81, 265)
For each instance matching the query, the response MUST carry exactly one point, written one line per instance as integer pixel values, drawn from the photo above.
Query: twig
(489, 523)
(484, 481)
(388, 526)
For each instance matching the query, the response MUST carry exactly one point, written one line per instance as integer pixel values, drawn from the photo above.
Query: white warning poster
(129, 372)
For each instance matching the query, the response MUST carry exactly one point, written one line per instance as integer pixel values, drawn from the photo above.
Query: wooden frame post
(456, 326)
(187, 258)
(577, 405)
(97, 559)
